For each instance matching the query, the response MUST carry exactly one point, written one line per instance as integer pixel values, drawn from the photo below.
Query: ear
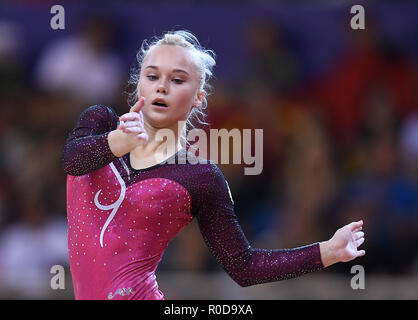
(199, 99)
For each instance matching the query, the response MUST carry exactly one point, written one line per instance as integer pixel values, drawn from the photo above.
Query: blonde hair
(205, 62)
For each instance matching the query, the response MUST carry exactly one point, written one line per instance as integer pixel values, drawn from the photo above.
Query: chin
(161, 121)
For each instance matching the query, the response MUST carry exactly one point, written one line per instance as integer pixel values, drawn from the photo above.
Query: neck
(162, 142)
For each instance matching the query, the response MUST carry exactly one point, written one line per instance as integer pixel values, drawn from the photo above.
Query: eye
(178, 81)
(152, 77)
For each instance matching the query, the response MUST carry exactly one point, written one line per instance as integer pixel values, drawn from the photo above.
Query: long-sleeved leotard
(120, 220)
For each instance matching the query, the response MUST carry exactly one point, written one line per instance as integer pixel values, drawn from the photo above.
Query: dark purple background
(314, 32)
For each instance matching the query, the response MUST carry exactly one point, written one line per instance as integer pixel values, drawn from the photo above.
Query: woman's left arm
(246, 265)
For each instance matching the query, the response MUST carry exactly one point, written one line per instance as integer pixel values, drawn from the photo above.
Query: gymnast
(125, 205)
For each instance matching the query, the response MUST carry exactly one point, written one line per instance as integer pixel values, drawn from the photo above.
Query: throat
(142, 163)
(140, 159)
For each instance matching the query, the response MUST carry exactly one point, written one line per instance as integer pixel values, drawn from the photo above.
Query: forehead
(170, 57)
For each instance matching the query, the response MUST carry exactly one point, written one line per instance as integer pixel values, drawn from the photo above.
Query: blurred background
(339, 110)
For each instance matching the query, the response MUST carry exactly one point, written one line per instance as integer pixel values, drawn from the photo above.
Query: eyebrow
(174, 70)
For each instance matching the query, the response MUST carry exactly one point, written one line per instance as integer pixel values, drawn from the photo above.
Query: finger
(130, 124)
(358, 235)
(142, 136)
(141, 117)
(138, 105)
(359, 242)
(358, 229)
(133, 130)
(355, 225)
(131, 116)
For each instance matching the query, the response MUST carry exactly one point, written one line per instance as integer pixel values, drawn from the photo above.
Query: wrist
(327, 251)
(119, 143)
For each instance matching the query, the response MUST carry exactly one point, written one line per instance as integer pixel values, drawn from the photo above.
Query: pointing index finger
(138, 105)
(356, 225)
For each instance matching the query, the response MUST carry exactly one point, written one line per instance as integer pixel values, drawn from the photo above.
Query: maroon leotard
(120, 220)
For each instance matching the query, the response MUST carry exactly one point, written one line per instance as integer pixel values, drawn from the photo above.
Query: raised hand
(130, 133)
(133, 121)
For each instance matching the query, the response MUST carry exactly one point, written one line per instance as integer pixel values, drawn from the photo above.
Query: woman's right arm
(86, 148)
(98, 138)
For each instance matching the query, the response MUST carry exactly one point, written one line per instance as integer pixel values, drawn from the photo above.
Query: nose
(161, 88)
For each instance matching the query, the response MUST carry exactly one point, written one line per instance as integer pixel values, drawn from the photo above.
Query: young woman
(125, 204)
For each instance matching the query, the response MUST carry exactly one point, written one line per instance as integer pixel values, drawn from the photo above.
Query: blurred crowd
(338, 147)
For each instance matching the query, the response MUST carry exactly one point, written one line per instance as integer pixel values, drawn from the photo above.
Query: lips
(160, 103)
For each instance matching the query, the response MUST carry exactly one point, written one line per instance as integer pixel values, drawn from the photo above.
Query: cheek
(142, 89)
(186, 99)
(187, 96)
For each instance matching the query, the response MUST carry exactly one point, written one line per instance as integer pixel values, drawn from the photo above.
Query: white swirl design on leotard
(115, 206)
(126, 168)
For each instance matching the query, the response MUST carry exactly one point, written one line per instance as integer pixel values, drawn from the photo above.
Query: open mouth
(160, 103)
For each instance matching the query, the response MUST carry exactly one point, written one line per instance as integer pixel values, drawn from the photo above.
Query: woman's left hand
(343, 246)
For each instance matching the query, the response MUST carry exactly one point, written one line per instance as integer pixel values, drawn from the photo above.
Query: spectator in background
(11, 70)
(7, 199)
(388, 201)
(305, 183)
(32, 203)
(409, 144)
(270, 71)
(29, 247)
(378, 190)
(271, 64)
(409, 138)
(83, 65)
(366, 59)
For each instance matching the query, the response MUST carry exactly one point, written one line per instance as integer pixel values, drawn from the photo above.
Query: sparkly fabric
(120, 220)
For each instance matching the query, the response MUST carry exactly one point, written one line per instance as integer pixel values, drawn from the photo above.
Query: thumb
(361, 253)
(138, 105)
